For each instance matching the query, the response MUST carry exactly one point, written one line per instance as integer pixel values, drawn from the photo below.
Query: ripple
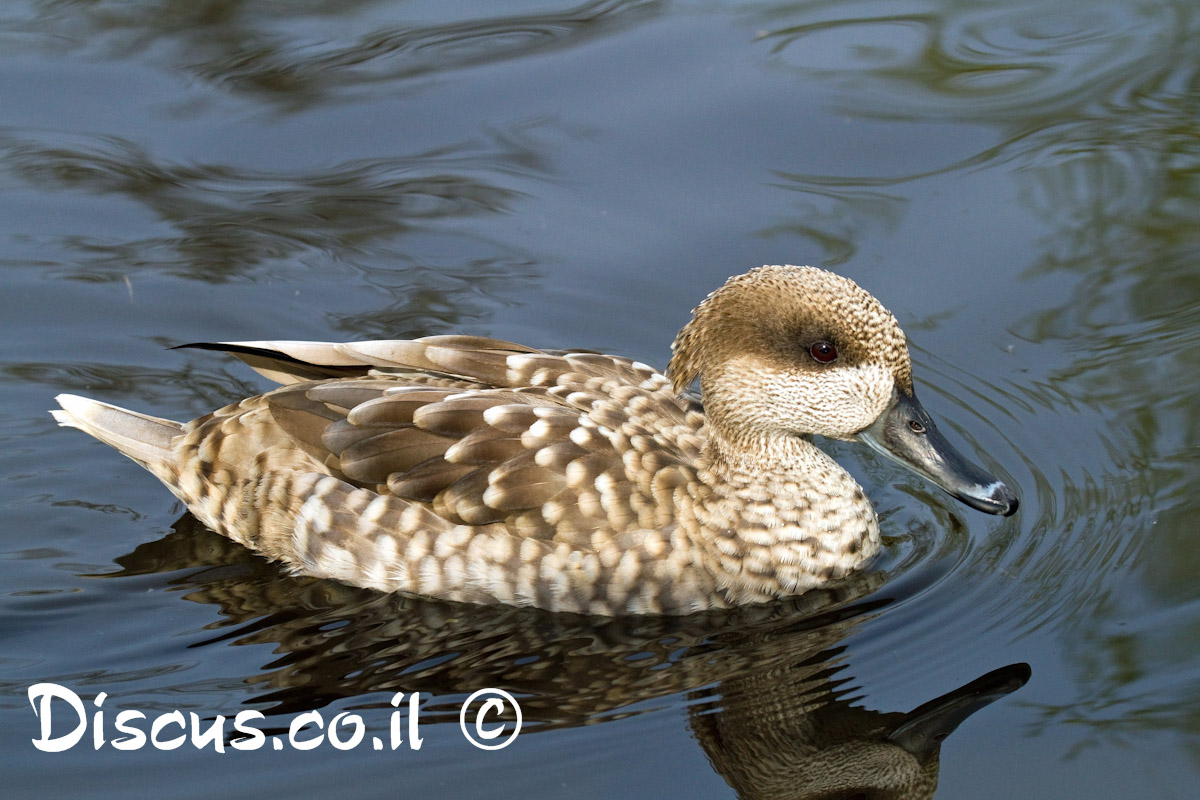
(850, 44)
(985, 63)
(251, 52)
(373, 218)
(229, 221)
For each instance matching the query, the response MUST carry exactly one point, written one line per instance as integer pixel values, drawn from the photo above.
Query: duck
(476, 470)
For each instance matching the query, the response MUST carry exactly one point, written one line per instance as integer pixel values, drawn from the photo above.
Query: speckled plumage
(478, 470)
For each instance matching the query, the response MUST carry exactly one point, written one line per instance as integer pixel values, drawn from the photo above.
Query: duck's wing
(552, 446)
(472, 360)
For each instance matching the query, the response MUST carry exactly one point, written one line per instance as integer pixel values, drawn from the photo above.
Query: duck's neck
(785, 517)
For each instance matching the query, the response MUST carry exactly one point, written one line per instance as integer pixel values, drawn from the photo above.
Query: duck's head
(785, 351)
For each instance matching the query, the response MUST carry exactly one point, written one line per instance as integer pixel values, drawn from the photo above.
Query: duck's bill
(905, 432)
(922, 730)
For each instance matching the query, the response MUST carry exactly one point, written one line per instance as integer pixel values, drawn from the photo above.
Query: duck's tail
(145, 439)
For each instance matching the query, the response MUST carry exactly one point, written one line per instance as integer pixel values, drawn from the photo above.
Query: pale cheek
(841, 403)
(837, 403)
(869, 392)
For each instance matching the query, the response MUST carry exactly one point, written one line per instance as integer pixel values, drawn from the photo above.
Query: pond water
(1019, 182)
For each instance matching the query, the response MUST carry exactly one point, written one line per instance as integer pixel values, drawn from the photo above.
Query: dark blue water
(1017, 182)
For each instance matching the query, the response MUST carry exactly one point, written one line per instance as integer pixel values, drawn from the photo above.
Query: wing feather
(374, 459)
(485, 446)
(564, 446)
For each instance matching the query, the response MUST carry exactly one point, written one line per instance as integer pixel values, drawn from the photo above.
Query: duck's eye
(823, 351)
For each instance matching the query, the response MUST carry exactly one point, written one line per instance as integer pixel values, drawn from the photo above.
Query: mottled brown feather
(345, 395)
(458, 417)
(485, 446)
(423, 482)
(462, 501)
(393, 410)
(488, 456)
(376, 458)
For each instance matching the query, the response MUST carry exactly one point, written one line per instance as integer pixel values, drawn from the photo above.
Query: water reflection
(229, 221)
(836, 214)
(1062, 87)
(792, 733)
(767, 690)
(1011, 63)
(237, 45)
(1119, 193)
(371, 218)
(1124, 212)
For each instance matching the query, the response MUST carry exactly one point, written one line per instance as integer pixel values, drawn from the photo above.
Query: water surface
(1019, 183)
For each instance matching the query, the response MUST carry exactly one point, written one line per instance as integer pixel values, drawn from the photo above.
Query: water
(1017, 182)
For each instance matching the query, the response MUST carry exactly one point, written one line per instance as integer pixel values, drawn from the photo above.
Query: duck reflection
(763, 684)
(794, 733)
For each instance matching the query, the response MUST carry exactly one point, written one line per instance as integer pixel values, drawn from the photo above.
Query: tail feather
(145, 439)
